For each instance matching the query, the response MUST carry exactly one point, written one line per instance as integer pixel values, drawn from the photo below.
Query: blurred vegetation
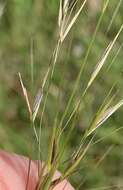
(22, 21)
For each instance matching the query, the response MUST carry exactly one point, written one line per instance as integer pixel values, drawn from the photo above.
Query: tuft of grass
(68, 14)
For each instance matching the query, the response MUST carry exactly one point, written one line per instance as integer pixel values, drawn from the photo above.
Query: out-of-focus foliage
(20, 22)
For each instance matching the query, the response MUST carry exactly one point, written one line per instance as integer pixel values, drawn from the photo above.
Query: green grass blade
(114, 15)
(75, 164)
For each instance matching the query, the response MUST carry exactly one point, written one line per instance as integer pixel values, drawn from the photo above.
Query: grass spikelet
(103, 59)
(104, 114)
(25, 96)
(65, 33)
(37, 103)
(60, 13)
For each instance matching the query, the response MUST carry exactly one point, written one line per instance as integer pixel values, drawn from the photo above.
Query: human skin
(14, 173)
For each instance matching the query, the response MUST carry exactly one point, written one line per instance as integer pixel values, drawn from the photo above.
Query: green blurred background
(24, 20)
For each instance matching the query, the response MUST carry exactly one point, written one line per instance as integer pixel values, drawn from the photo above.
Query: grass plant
(69, 12)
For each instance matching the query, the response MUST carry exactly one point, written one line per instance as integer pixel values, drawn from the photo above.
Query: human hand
(14, 173)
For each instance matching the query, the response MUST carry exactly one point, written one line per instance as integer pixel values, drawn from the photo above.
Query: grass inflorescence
(68, 15)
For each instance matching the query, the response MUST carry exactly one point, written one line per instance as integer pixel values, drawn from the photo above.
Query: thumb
(14, 173)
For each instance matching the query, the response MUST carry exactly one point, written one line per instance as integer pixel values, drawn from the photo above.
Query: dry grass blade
(25, 95)
(60, 13)
(103, 60)
(72, 21)
(71, 8)
(65, 6)
(28, 106)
